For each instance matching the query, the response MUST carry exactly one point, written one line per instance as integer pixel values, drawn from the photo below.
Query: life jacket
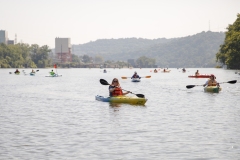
(212, 82)
(117, 92)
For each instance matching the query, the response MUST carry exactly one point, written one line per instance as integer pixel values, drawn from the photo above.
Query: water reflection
(115, 106)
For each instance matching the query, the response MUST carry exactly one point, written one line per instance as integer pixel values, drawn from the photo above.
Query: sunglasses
(115, 81)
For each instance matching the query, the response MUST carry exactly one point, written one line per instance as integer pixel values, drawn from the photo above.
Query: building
(63, 49)
(10, 42)
(3, 37)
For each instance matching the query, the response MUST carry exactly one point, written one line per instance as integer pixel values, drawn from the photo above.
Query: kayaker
(17, 71)
(52, 73)
(155, 70)
(197, 73)
(115, 89)
(33, 71)
(211, 81)
(184, 70)
(135, 75)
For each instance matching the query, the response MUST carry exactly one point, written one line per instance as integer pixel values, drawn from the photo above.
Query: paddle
(104, 82)
(141, 77)
(191, 86)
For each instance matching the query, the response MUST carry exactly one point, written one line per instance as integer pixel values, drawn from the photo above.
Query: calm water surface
(59, 118)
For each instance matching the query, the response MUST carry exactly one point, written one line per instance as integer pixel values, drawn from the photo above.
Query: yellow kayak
(122, 99)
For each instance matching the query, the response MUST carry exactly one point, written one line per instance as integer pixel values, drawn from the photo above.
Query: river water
(59, 118)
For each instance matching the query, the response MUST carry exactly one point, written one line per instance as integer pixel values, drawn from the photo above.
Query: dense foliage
(22, 55)
(145, 62)
(229, 53)
(192, 51)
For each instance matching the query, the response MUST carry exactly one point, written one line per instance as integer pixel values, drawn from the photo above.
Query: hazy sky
(40, 21)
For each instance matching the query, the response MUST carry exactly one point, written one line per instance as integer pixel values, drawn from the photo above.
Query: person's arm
(217, 84)
(126, 92)
(111, 88)
(206, 83)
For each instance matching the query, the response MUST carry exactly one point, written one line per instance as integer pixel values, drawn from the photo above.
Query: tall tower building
(63, 49)
(3, 37)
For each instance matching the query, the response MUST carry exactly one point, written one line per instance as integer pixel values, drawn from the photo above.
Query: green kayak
(212, 89)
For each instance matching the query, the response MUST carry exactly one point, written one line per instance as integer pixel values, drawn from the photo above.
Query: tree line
(23, 55)
(229, 52)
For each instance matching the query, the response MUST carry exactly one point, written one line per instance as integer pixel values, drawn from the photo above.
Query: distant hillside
(192, 51)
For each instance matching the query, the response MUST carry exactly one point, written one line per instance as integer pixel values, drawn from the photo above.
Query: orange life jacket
(212, 83)
(117, 92)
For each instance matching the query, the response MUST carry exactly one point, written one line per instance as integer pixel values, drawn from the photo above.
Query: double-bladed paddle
(104, 82)
(140, 77)
(191, 86)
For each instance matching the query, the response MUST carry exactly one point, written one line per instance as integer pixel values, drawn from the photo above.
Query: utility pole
(209, 25)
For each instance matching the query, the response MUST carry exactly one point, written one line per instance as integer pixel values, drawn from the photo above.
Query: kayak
(212, 89)
(167, 71)
(122, 99)
(199, 76)
(55, 75)
(17, 73)
(136, 79)
(32, 74)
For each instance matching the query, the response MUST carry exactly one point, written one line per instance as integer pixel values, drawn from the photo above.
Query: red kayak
(199, 76)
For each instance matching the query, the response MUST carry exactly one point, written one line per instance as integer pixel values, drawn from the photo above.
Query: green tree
(40, 55)
(98, 59)
(229, 52)
(15, 55)
(86, 59)
(145, 62)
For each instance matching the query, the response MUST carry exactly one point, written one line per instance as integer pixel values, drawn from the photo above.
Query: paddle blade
(37, 70)
(232, 82)
(104, 82)
(140, 95)
(190, 86)
(124, 77)
(148, 77)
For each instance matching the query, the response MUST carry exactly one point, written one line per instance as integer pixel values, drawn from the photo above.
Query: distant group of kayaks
(33, 73)
(158, 70)
(17, 72)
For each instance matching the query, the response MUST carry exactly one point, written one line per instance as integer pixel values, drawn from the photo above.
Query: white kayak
(136, 79)
(55, 75)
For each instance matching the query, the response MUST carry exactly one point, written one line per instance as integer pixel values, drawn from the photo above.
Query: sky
(41, 21)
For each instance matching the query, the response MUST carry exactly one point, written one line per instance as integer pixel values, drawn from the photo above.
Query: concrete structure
(3, 37)
(63, 49)
(10, 42)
